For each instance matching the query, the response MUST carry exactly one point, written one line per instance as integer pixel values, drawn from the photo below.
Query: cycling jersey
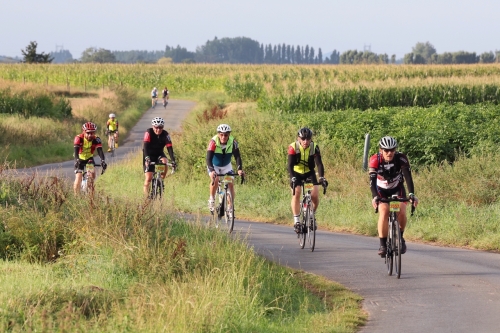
(302, 160)
(84, 149)
(153, 144)
(154, 93)
(389, 175)
(165, 93)
(112, 125)
(219, 155)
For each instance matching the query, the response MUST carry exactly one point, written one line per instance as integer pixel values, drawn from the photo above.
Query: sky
(383, 26)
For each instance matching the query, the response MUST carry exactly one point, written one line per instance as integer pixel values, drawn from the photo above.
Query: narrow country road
(440, 290)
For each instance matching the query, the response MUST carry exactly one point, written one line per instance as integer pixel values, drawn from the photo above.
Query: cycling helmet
(112, 115)
(158, 122)
(304, 133)
(223, 128)
(388, 142)
(89, 127)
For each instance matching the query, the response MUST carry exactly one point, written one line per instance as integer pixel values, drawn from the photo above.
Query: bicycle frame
(87, 185)
(394, 238)
(222, 196)
(308, 222)
(157, 184)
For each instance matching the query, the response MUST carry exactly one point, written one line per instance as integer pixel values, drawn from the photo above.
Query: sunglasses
(90, 133)
(224, 134)
(158, 127)
(390, 150)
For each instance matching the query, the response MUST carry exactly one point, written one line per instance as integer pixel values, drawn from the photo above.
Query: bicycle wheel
(219, 210)
(389, 257)
(229, 211)
(303, 227)
(396, 232)
(156, 188)
(112, 145)
(311, 229)
(84, 185)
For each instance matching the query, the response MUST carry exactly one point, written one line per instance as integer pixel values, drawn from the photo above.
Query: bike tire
(389, 257)
(219, 209)
(229, 212)
(397, 247)
(303, 224)
(113, 146)
(84, 184)
(311, 232)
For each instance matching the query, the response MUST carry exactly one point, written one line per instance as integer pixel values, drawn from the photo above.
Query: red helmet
(89, 127)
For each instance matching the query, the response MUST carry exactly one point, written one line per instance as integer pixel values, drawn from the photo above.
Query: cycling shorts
(151, 168)
(387, 193)
(308, 177)
(83, 163)
(221, 170)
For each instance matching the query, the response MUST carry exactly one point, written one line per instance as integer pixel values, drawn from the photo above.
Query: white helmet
(112, 115)
(154, 88)
(388, 142)
(223, 128)
(158, 121)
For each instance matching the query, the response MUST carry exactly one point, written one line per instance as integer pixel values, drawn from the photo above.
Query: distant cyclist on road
(85, 145)
(155, 140)
(303, 156)
(387, 169)
(154, 97)
(166, 96)
(112, 130)
(220, 149)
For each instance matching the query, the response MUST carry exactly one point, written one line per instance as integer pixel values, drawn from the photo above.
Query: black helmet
(305, 133)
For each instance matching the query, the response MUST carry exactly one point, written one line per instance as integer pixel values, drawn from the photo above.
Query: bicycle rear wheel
(396, 232)
(229, 211)
(311, 229)
(156, 188)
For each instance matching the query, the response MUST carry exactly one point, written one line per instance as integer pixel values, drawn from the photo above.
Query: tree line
(243, 50)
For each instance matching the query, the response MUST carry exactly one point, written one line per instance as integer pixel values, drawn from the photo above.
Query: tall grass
(130, 265)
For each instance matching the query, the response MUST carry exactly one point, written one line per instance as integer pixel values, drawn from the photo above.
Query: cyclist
(155, 140)
(85, 145)
(154, 97)
(303, 155)
(387, 169)
(112, 129)
(219, 152)
(165, 95)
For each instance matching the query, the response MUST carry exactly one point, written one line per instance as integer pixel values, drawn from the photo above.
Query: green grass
(123, 264)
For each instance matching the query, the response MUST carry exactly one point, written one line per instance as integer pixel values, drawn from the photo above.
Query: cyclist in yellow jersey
(85, 145)
(303, 155)
(112, 129)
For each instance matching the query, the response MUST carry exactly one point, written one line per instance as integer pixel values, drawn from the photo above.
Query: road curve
(440, 290)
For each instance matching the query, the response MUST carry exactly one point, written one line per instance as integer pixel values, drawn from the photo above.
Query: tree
(62, 56)
(425, 50)
(487, 58)
(31, 57)
(393, 59)
(101, 55)
(320, 56)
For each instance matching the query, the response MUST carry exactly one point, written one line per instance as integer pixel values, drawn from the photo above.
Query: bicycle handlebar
(168, 163)
(228, 174)
(395, 199)
(322, 184)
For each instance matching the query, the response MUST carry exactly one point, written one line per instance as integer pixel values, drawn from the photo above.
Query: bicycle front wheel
(229, 211)
(311, 228)
(396, 232)
(84, 184)
(303, 227)
(389, 257)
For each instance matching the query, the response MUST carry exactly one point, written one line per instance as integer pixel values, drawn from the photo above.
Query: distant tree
(444, 58)
(101, 55)
(230, 50)
(164, 61)
(320, 56)
(408, 58)
(311, 55)
(487, 58)
(283, 54)
(288, 54)
(425, 50)
(31, 57)
(393, 59)
(298, 55)
(419, 59)
(306, 55)
(462, 57)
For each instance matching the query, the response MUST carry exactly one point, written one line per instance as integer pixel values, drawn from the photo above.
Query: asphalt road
(440, 290)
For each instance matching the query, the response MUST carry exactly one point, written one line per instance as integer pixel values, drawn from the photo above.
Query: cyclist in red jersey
(155, 140)
(388, 170)
(85, 144)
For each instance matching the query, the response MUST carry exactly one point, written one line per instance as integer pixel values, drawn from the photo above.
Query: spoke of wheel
(311, 232)
(229, 211)
(398, 244)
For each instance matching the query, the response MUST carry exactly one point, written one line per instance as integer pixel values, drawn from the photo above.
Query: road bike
(224, 204)
(154, 101)
(88, 182)
(157, 186)
(394, 238)
(111, 141)
(308, 226)
(165, 102)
